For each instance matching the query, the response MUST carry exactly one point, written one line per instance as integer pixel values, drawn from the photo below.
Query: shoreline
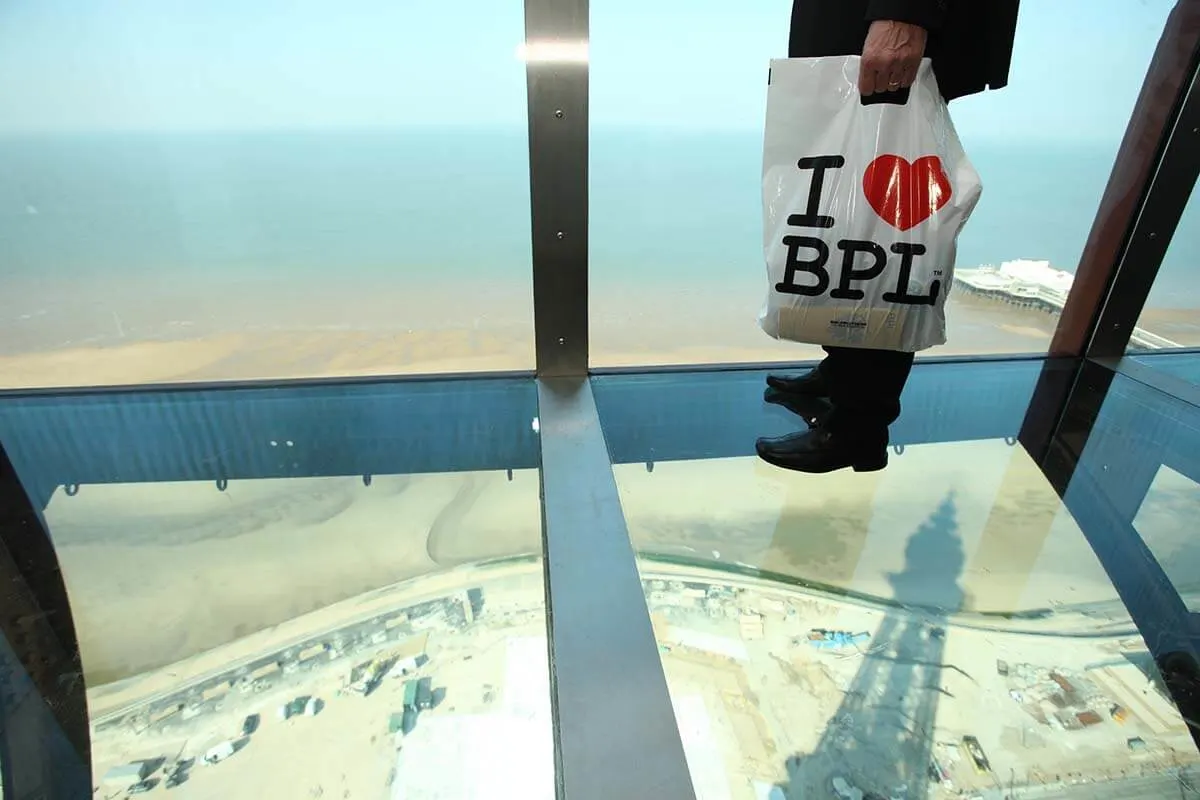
(976, 326)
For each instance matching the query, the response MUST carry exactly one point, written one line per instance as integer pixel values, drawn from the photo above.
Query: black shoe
(811, 384)
(814, 410)
(819, 450)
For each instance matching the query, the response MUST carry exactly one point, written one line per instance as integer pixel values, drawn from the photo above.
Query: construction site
(428, 698)
(786, 694)
(430, 690)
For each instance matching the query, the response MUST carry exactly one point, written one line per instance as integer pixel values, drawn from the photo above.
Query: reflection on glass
(1167, 523)
(341, 636)
(1172, 312)
(675, 197)
(199, 192)
(37, 758)
(1182, 365)
(941, 628)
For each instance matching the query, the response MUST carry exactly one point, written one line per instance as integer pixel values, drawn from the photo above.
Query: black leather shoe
(811, 384)
(814, 410)
(819, 450)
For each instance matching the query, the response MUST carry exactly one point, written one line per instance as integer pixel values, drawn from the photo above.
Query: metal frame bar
(615, 725)
(1166, 199)
(1164, 382)
(1102, 481)
(556, 42)
(45, 750)
(642, 424)
(228, 434)
(791, 366)
(59, 392)
(404, 428)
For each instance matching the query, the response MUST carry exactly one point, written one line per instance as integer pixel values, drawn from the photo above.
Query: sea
(397, 210)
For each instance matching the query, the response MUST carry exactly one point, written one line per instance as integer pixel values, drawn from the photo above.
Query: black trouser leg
(865, 388)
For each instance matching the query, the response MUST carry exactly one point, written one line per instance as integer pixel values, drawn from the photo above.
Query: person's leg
(865, 388)
(814, 383)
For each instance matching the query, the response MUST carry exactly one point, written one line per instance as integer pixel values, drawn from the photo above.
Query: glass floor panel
(942, 628)
(1145, 446)
(1181, 365)
(321, 591)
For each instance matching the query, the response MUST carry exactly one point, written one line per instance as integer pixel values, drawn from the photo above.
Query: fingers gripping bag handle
(862, 206)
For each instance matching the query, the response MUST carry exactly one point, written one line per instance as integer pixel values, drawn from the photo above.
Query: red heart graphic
(904, 195)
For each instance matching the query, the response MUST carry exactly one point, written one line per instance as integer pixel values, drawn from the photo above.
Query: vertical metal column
(556, 46)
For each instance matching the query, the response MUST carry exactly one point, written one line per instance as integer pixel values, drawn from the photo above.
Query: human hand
(891, 56)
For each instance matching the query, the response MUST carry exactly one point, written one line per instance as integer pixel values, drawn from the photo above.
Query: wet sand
(162, 572)
(628, 338)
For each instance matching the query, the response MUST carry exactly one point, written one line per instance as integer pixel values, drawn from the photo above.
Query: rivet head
(558, 113)
(1153, 235)
(561, 340)
(561, 235)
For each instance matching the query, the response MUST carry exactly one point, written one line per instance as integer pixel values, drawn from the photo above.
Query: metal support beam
(1102, 472)
(44, 746)
(616, 730)
(685, 416)
(383, 428)
(556, 47)
(1165, 202)
(1153, 119)
(1164, 382)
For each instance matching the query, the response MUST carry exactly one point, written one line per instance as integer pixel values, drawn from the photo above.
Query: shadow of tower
(880, 740)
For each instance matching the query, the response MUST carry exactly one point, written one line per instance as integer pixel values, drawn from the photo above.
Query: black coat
(970, 41)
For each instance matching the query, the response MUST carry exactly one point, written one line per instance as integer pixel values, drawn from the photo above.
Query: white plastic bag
(862, 205)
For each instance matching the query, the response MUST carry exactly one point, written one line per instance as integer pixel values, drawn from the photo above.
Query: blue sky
(699, 64)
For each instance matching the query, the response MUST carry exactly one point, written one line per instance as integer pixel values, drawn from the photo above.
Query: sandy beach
(624, 332)
(197, 568)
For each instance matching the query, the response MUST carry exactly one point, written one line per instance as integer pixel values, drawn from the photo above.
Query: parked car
(141, 787)
(293, 708)
(250, 724)
(425, 694)
(218, 753)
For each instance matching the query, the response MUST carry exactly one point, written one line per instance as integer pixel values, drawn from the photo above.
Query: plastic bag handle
(896, 98)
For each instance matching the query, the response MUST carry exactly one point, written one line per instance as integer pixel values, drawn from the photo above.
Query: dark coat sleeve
(970, 41)
(929, 14)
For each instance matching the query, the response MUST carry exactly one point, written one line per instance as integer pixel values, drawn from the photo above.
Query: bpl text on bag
(852, 248)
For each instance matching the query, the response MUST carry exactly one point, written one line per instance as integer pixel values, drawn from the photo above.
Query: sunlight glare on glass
(553, 51)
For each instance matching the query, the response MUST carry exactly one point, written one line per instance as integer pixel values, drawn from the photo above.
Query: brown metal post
(1150, 125)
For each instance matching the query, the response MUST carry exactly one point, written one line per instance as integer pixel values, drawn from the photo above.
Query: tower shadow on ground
(881, 737)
